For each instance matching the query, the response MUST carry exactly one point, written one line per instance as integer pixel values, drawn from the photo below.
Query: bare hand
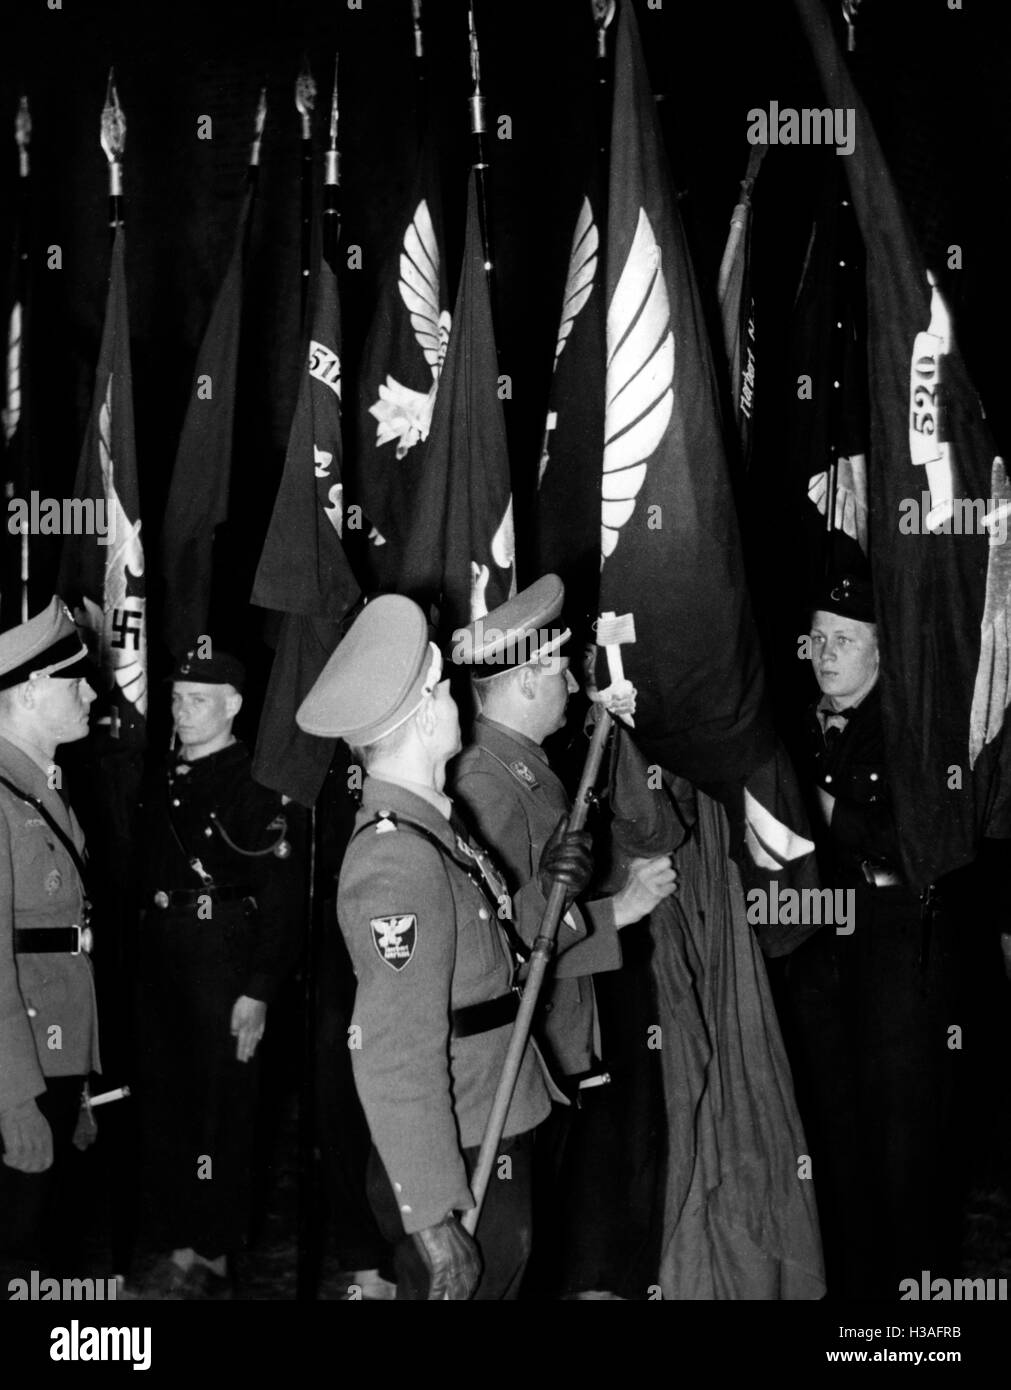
(27, 1138)
(649, 882)
(249, 1019)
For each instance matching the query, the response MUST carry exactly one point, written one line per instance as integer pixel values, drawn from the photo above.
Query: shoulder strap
(54, 826)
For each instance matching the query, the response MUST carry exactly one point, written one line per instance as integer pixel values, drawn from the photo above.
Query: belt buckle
(161, 899)
(76, 950)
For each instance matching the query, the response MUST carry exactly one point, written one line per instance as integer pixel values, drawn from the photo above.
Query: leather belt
(484, 1017)
(192, 897)
(48, 940)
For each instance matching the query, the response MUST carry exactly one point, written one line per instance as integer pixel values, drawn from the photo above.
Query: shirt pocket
(482, 964)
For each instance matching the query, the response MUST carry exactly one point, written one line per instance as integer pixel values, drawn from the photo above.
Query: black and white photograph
(505, 658)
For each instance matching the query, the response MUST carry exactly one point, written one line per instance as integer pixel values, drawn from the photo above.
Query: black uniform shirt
(221, 785)
(850, 766)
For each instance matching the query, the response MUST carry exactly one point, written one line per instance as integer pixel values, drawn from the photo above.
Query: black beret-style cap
(216, 668)
(848, 596)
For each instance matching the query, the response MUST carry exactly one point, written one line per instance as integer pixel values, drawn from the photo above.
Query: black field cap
(46, 645)
(516, 633)
(218, 668)
(378, 676)
(848, 596)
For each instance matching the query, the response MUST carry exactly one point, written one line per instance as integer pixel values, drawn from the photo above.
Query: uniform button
(176, 801)
(32, 1013)
(208, 831)
(406, 1209)
(828, 778)
(874, 776)
(483, 913)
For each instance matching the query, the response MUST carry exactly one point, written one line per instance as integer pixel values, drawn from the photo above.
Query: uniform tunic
(871, 1010)
(40, 887)
(515, 800)
(424, 941)
(196, 959)
(48, 1018)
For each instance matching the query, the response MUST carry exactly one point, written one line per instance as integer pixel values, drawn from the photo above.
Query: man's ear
(528, 682)
(425, 716)
(233, 703)
(25, 694)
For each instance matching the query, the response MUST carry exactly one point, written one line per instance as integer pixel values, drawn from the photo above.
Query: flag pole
(308, 1243)
(260, 120)
(540, 958)
(478, 128)
(16, 344)
(305, 104)
(332, 181)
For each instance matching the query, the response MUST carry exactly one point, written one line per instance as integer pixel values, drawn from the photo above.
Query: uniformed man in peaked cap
(220, 929)
(427, 920)
(48, 1021)
(873, 1003)
(519, 666)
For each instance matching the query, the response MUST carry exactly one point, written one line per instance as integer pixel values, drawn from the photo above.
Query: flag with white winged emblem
(303, 570)
(102, 567)
(402, 366)
(568, 475)
(460, 550)
(940, 517)
(672, 577)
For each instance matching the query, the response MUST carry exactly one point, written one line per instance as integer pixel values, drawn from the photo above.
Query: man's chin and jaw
(61, 709)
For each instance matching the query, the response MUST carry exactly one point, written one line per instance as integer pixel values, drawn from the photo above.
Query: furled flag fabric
(939, 525)
(827, 410)
(568, 481)
(303, 571)
(402, 366)
(737, 307)
(198, 497)
(672, 578)
(460, 551)
(102, 564)
(16, 437)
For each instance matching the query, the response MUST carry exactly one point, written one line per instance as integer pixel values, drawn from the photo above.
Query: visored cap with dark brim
(46, 645)
(522, 630)
(376, 678)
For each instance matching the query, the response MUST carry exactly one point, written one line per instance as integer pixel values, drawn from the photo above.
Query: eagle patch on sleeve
(395, 938)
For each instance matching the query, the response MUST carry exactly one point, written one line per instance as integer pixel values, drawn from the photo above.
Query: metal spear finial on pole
(258, 125)
(23, 136)
(419, 38)
(114, 143)
(477, 130)
(332, 178)
(305, 104)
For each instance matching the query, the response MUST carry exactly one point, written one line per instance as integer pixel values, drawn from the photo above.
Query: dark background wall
(935, 80)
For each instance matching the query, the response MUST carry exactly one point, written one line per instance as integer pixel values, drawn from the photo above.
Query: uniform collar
(490, 732)
(379, 794)
(231, 754)
(33, 753)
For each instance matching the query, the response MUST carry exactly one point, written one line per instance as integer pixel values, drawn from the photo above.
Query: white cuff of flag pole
(770, 843)
(618, 699)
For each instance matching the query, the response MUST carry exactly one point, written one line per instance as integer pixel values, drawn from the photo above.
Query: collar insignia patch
(519, 769)
(395, 938)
